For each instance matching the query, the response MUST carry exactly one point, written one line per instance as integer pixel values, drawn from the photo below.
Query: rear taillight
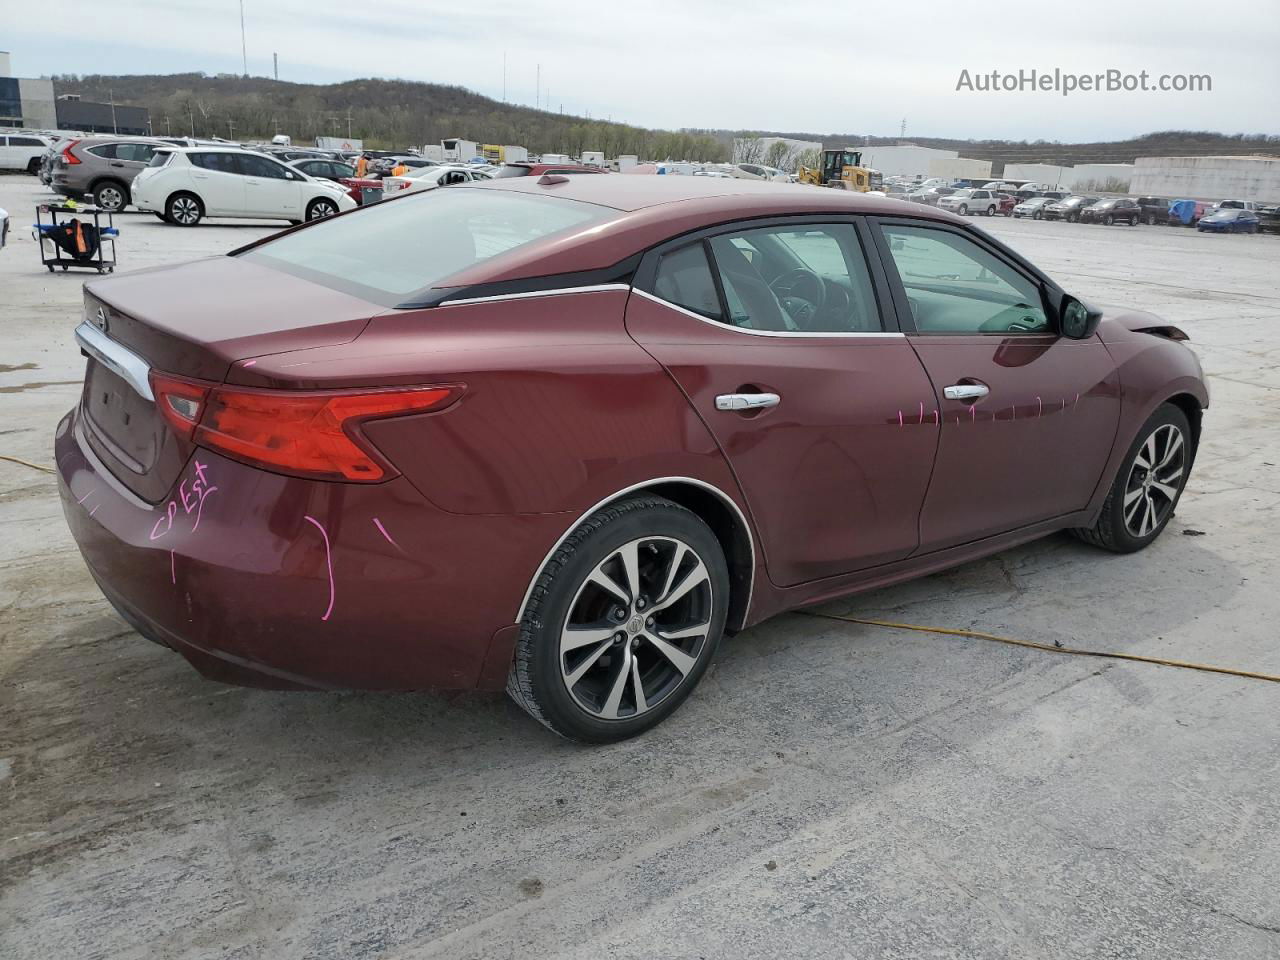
(309, 434)
(67, 155)
(180, 402)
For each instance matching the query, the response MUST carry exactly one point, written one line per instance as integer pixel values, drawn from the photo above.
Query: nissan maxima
(562, 434)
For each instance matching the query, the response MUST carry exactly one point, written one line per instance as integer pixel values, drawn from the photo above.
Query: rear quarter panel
(561, 407)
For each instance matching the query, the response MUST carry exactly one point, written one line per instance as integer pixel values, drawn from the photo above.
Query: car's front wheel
(963, 209)
(1147, 486)
(184, 209)
(622, 621)
(321, 208)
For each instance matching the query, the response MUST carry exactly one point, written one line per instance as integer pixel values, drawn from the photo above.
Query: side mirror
(1077, 320)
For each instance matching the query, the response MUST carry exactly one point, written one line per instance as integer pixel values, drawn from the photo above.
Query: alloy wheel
(1155, 480)
(636, 627)
(185, 211)
(321, 208)
(110, 198)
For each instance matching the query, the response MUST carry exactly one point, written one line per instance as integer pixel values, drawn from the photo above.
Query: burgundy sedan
(563, 433)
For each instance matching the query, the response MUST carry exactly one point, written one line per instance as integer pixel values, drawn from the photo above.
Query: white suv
(185, 185)
(22, 151)
(978, 201)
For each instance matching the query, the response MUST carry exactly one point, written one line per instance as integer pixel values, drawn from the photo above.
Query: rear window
(511, 170)
(160, 158)
(388, 252)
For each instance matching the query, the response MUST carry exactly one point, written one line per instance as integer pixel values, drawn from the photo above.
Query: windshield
(390, 251)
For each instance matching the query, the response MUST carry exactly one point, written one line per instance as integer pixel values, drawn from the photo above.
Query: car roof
(644, 210)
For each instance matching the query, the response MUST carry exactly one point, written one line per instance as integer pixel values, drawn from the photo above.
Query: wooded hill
(400, 113)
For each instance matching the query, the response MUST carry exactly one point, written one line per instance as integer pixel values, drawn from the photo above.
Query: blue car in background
(1225, 220)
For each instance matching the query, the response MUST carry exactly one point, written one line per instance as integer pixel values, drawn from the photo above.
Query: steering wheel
(802, 292)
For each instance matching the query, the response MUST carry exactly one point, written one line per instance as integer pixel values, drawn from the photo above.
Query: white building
(903, 159)
(1051, 174)
(1208, 178)
(1113, 177)
(960, 168)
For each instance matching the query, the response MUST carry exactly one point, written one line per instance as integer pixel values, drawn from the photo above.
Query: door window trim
(646, 275)
(1050, 292)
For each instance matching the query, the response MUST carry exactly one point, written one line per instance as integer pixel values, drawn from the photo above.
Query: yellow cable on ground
(27, 463)
(1136, 658)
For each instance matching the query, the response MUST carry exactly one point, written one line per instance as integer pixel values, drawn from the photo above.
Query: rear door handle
(966, 391)
(747, 401)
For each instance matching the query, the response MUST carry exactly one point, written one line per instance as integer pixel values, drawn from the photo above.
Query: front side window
(809, 279)
(252, 166)
(955, 286)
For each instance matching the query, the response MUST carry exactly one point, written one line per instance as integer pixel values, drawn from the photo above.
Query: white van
(22, 151)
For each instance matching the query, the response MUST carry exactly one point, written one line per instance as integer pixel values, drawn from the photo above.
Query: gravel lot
(831, 790)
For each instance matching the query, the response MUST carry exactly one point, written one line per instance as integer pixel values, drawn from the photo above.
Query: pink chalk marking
(1039, 407)
(383, 530)
(200, 508)
(1064, 404)
(249, 363)
(200, 477)
(171, 510)
(328, 559)
(173, 570)
(1073, 406)
(899, 418)
(936, 422)
(973, 414)
(87, 495)
(921, 412)
(95, 509)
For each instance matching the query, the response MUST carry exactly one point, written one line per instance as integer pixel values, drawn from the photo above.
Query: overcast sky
(829, 68)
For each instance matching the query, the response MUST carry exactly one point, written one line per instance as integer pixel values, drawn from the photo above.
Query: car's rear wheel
(184, 209)
(622, 621)
(1147, 486)
(33, 166)
(1037, 215)
(1151, 219)
(110, 195)
(321, 208)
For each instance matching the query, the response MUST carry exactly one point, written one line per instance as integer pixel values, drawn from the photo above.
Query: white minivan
(22, 151)
(186, 184)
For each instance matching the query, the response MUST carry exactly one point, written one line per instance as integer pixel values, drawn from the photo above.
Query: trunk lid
(192, 321)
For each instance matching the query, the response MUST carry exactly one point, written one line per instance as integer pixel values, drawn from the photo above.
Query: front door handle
(746, 401)
(966, 391)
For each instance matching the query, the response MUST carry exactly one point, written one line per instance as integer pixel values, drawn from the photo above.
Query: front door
(270, 189)
(777, 336)
(1028, 417)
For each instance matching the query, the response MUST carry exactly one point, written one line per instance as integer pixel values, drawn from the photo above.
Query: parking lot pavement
(831, 789)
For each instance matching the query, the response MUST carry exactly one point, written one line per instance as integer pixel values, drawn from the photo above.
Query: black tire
(1133, 221)
(1112, 532)
(1074, 218)
(110, 195)
(184, 209)
(163, 218)
(991, 211)
(963, 209)
(1151, 219)
(1108, 220)
(33, 166)
(320, 207)
(537, 681)
(1037, 215)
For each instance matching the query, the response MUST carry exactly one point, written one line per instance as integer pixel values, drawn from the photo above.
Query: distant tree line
(383, 113)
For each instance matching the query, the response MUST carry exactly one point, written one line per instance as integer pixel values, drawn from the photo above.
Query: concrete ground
(830, 790)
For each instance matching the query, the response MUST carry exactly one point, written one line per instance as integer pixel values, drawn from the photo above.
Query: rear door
(270, 188)
(782, 337)
(216, 177)
(1028, 418)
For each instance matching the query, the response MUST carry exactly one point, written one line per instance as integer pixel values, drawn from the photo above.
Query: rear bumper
(279, 582)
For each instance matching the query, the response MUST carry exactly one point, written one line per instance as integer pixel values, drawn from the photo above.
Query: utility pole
(275, 122)
(167, 131)
(192, 117)
(231, 130)
(275, 66)
(348, 123)
(244, 54)
(112, 97)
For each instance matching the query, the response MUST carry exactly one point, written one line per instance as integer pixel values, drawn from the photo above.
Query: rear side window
(25, 142)
(218, 162)
(105, 150)
(392, 253)
(684, 278)
(136, 152)
(161, 158)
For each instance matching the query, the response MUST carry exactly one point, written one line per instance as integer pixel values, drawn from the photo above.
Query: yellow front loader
(843, 170)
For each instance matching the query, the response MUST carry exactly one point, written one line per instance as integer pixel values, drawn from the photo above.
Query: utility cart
(52, 255)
